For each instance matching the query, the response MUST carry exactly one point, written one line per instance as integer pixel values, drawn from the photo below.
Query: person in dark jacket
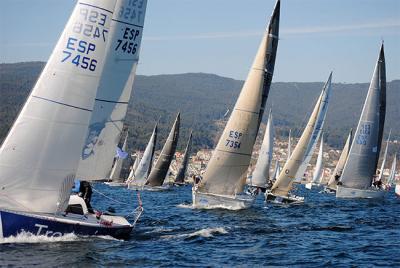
(85, 191)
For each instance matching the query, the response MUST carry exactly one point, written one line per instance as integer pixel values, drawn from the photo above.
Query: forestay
(361, 164)
(283, 184)
(226, 170)
(261, 172)
(160, 170)
(114, 91)
(41, 151)
(180, 177)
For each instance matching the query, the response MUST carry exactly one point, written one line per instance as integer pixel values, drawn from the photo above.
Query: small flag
(121, 154)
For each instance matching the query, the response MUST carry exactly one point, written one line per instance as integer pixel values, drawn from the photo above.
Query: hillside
(203, 99)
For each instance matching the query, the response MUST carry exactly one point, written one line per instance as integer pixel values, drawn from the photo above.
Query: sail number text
(75, 52)
(94, 27)
(128, 42)
(133, 11)
(364, 132)
(234, 139)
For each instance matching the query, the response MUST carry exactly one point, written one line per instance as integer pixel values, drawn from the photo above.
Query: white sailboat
(360, 167)
(280, 191)
(34, 197)
(260, 175)
(225, 174)
(143, 170)
(134, 166)
(318, 171)
(115, 174)
(380, 175)
(392, 173)
(276, 171)
(337, 173)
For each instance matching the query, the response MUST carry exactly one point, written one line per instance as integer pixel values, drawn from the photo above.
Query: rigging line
(110, 198)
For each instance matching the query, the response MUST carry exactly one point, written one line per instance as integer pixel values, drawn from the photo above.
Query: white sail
(143, 170)
(115, 174)
(134, 166)
(277, 170)
(317, 176)
(49, 132)
(114, 90)
(227, 168)
(361, 164)
(384, 158)
(317, 129)
(334, 179)
(283, 184)
(392, 173)
(261, 172)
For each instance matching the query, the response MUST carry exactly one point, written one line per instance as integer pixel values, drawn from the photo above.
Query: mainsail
(226, 170)
(180, 177)
(142, 172)
(361, 164)
(276, 171)
(283, 184)
(317, 129)
(337, 173)
(318, 171)
(384, 158)
(261, 172)
(160, 170)
(114, 90)
(49, 132)
(115, 174)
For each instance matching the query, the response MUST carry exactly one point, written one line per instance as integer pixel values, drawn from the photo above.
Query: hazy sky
(221, 36)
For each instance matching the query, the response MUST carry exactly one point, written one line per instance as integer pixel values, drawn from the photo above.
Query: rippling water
(323, 232)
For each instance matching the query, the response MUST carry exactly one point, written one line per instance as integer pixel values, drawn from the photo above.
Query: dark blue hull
(13, 223)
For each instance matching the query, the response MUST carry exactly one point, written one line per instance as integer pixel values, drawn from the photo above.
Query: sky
(222, 36)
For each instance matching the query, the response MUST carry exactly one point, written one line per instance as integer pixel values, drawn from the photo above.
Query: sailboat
(380, 175)
(280, 191)
(34, 196)
(392, 174)
(260, 175)
(224, 177)
(318, 171)
(134, 166)
(115, 175)
(139, 178)
(361, 164)
(158, 173)
(337, 173)
(180, 177)
(276, 171)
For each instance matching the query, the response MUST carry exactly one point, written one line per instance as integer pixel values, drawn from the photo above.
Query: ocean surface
(322, 232)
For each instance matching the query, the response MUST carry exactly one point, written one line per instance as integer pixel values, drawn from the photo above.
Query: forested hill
(204, 98)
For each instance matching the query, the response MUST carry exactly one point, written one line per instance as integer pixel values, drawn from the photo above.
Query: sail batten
(362, 161)
(226, 171)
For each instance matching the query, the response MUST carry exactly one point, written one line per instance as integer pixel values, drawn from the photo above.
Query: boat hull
(115, 184)
(346, 192)
(276, 199)
(328, 190)
(397, 190)
(211, 201)
(12, 223)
